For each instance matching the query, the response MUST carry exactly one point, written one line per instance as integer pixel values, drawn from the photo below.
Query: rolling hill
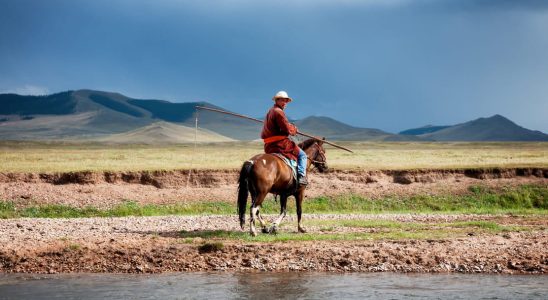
(71, 114)
(107, 116)
(422, 130)
(96, 114)
(495, 128)
(335, 130)
(165, 133)
(88, 114)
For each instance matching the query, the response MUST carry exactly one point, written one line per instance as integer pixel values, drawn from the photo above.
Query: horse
(267, 173)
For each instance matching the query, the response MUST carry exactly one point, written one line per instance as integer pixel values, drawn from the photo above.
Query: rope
(195, 145)
(196, 131)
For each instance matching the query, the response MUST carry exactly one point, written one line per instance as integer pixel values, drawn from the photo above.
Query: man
(275, 134)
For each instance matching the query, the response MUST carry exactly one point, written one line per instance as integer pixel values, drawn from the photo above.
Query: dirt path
(105, 189)
(155, 244)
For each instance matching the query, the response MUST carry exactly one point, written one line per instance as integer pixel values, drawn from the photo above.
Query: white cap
(281, 94)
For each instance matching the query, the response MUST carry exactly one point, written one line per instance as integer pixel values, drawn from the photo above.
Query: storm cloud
(385, 64)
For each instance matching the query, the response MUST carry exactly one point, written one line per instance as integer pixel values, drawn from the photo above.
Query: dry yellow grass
(63, 157)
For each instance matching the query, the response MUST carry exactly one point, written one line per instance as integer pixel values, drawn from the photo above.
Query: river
(272, 286)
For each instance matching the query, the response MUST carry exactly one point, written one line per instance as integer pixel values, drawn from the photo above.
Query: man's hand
(292, 129)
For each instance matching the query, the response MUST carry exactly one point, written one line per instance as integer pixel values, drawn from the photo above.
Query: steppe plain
(403, 207)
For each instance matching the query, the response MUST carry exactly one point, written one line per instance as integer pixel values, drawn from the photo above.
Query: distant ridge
(495, 128)
(335, 130)
(89, 114)
(423, 130)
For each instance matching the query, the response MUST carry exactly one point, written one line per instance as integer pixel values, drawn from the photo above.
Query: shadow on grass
(244, 236)
(205, 234)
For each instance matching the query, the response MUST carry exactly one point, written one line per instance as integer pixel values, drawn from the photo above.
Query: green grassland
(526, 199)
(368, 230)
(524, 203)
(71, 156)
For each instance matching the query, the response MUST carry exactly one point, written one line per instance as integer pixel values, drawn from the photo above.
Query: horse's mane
(307, 143)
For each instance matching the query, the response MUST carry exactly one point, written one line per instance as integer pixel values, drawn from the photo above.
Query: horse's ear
(320, 142)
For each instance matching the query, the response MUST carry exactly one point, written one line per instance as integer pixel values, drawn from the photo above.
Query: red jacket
(276, 131)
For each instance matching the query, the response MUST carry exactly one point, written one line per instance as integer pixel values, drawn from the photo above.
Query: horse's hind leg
(283, 213)
(252, 229)
(261, 220)
(255, 205)
(299, 199)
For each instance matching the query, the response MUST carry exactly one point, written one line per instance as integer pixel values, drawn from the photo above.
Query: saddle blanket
(290, 162)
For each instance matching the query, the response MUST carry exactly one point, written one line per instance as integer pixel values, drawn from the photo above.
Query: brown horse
(267, 173)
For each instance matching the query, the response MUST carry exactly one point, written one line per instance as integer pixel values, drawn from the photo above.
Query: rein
(314, 161)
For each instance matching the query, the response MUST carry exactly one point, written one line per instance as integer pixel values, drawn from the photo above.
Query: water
(272, 286)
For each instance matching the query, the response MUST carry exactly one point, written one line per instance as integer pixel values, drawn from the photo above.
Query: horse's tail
(243, 190)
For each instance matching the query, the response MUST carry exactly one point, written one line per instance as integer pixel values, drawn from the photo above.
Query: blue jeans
(301, 163)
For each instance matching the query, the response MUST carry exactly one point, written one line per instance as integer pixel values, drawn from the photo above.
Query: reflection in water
(271, 286)
(268, 285)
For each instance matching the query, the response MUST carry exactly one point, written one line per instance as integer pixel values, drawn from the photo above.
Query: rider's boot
(301, 168)
(301, 180)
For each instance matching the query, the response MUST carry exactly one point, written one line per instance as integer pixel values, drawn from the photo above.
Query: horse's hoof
(253, 233)
(266, 230)
(302, 230)
(273, 230)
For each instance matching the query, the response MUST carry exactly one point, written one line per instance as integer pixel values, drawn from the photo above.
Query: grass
(69, 157)
(526, 199)
(378, 224)
(127, 208)
(74, 247)
(217, 235)
(211, 247)
(380, 230)
(387, 225)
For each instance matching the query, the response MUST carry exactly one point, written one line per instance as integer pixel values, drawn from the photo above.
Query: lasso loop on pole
(195, 146)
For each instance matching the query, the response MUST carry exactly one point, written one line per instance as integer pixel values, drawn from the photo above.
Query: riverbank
(436, 221)
(337, 243)
(108, 189)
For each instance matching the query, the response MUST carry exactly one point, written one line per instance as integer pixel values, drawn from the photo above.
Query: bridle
(321, 153)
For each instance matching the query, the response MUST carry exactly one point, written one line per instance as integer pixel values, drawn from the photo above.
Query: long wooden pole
(260, 121)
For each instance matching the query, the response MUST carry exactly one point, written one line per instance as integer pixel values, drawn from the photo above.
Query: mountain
(422, 130)
(334, 130)
(70, 114)
(107, 116)
(495, 128)
(101, 115)
(56, 104)
(90, 114)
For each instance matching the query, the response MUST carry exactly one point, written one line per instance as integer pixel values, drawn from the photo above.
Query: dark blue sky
(388, 64)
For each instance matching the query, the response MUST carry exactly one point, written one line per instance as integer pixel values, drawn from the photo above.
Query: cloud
(27, 90)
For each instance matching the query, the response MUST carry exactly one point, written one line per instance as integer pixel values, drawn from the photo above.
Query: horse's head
(319, 159)
(316, 153)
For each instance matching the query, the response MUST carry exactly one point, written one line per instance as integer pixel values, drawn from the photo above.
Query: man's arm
(283, 123)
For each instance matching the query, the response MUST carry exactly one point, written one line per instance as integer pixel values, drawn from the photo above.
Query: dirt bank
(105, 189)
(155, 244)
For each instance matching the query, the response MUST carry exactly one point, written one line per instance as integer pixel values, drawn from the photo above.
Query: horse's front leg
(261, 220)
(299, 196)
(283, 213)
